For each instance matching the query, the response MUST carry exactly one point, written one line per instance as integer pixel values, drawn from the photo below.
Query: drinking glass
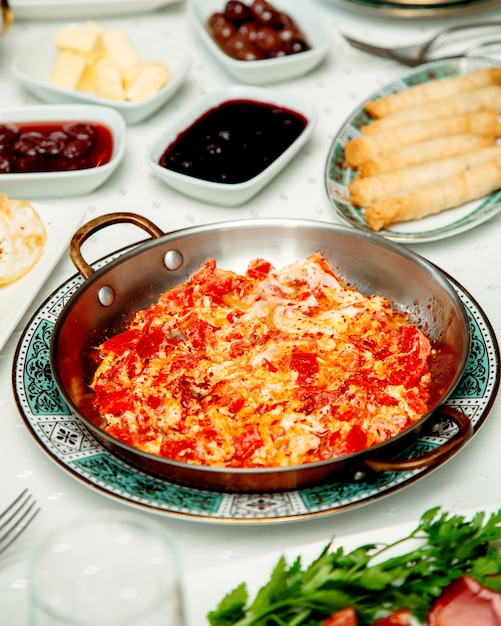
(109, 569)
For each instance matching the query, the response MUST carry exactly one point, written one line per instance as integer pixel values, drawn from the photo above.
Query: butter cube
(121, 51)
(87, 82)
(82, 40)
(67, 70)
(109, 80)
(152, 77)
(93, 27)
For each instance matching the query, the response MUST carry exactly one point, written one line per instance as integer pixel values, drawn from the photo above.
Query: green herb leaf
(369, 579)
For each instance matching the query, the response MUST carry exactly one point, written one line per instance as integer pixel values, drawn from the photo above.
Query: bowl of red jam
(58, 150)
(229, 146)
(259, 41)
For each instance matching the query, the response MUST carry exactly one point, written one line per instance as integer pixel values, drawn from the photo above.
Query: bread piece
(366, 147)
(22, 238)
(470, 184)
(431, 150)
(433, 90)
(367, 191)
(484, 99)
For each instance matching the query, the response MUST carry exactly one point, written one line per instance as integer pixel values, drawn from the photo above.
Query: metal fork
(414, 55)
(16, 518)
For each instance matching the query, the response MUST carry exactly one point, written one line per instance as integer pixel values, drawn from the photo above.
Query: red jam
(53, 146)
(234, 141)
(256, 31)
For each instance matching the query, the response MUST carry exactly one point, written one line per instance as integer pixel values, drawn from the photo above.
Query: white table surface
(468, 481)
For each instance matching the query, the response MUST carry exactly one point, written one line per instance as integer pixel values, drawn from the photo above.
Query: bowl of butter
(85, 62)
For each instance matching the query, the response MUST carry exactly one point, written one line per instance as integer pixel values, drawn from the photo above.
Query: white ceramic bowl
(68, 183)
(229, 194)
(33, 66)
(267, 71)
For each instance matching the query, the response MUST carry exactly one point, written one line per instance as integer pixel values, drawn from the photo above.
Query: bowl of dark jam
(58, 150)
(232, 144)
(260, 41)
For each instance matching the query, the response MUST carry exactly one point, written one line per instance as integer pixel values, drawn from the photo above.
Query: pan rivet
(173, 260)
(106, 296)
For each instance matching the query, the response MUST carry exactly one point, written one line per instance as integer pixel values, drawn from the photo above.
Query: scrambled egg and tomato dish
(272, 368)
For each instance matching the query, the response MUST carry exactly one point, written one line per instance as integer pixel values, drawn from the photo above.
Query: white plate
(440, 226)
(16, 297)
(204, 589)
(268, 71)
(238, 193)
(33, 71)
(68, 183)
(76, 9)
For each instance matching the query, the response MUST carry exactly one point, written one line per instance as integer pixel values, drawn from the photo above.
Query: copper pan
(109, 297)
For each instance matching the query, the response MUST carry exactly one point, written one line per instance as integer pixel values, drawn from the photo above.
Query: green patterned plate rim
(64, 438)
(338, 176)
(380, 8)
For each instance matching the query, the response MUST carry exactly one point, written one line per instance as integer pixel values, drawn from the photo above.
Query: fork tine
(365, 46)
(16, 518)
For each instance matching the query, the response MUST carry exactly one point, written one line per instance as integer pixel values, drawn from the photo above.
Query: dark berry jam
(234, 141)
(251, 32)
(53, 146)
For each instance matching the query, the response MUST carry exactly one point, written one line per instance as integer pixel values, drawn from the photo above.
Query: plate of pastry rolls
(420, 160)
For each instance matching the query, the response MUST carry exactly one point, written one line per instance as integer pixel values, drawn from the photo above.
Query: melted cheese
(272, 368)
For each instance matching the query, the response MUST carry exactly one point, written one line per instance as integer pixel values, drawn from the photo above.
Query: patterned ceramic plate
(66, 440)
(440, 9)
(445, 224)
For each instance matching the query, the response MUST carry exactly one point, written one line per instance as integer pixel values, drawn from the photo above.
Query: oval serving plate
(440, 226)
(64, 438)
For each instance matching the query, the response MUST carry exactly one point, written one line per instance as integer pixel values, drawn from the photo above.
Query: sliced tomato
(344, 617)
(398, 618)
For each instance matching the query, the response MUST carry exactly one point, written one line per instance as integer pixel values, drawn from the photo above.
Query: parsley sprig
(443, 547)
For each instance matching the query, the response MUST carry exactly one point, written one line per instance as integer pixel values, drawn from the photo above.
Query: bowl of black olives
(260, 42)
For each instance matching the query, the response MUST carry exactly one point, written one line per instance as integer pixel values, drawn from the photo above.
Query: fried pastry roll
(433, 149)
(484, 99)
(433, 90)
(367, 147)
(470, 184)
(367, 191)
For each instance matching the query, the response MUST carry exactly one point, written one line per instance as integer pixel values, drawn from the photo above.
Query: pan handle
(92, 226)
(436, 456)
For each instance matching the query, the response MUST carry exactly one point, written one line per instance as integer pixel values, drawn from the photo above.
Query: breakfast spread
(218, 147)
(22, 239)
(272, 368)
(255, 31)
(105, 63)
(53, 146)
(429, 148)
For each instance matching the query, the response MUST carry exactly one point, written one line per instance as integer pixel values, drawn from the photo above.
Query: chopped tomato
(259, 269)
(247, 443)
(122, 342)
(356, 439)
(305, 364)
